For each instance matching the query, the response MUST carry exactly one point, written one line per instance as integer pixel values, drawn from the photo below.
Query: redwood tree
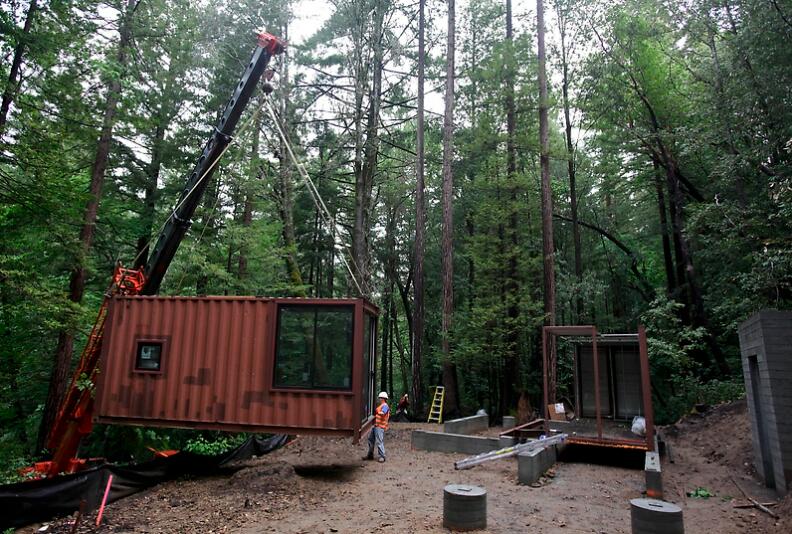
(420, 216)
(547, 198)
(451, 405)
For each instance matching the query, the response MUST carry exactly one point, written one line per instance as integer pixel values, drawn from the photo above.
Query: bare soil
(322, 485)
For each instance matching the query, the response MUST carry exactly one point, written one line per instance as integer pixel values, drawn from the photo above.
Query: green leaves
(700, 493)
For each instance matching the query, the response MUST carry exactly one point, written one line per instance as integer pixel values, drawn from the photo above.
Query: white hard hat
(382, 395)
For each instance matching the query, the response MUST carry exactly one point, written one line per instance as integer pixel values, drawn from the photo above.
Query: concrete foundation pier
(533, 464)
(443, 442)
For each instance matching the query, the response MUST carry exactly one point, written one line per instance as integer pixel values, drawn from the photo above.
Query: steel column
(646, 388)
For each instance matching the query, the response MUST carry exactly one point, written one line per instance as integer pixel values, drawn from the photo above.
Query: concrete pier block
(650, 516)
(443, 442)
(533, 464)
(654, 477)
(509, 421)
(464, 507)
(467, 425)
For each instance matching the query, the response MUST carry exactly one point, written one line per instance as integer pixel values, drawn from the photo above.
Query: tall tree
(449, 368)
(420, 217)
(511, 286)
(12, 84)
(364, 178)
(548, 249)
(63, 352)
(563, 8)
(285, 174)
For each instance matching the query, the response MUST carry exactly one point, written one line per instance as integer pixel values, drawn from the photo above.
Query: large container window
(148, 356)
(314, 347)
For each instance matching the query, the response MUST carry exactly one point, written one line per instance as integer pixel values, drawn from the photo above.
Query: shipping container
(281, 365)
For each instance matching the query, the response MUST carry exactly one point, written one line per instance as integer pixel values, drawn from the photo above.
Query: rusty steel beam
(646, 388)
(597, 406)
(637, 444)
(579, 330)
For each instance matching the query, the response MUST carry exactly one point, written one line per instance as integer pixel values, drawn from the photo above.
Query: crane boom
(179, 221)
(74, 418)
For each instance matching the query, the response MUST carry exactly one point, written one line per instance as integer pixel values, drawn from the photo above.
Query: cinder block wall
(766, 349)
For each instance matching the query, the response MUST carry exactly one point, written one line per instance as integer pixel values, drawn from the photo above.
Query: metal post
(646, 388)
(546, 395)
(597, 407)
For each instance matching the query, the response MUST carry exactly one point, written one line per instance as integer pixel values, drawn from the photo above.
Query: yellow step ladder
(436, 411)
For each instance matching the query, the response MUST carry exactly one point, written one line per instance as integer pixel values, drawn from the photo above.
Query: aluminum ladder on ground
(507, 452)
(436, 411)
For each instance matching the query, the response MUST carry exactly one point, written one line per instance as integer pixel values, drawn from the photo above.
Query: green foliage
(700, 493)
(214, 444)
(10, 473)
(672, 346)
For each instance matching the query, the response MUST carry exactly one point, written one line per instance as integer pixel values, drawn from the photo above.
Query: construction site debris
(756, 503)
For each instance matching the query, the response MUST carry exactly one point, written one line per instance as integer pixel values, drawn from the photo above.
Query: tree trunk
(571, 170)
(548, 250)
(12, 84)
(511, 287)
(254, 176)
(210, 201)
(391, 324)
(451, 402)
(699, 314)
(286, 187)
(59, 377)
(668, 260)
(364, 180)
(420, 215)
(150, 199)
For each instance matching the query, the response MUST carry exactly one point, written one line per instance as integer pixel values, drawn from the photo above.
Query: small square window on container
(148, 356)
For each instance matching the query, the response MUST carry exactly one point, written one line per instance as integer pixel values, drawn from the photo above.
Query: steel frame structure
(549, 335)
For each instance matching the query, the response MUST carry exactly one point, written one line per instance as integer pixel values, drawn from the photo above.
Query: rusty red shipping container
(239, 363)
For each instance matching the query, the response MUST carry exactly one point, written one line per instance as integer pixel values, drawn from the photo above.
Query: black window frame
(276, 353)
(370, 325)
(139, 344)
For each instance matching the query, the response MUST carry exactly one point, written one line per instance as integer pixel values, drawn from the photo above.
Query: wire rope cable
(327, 217)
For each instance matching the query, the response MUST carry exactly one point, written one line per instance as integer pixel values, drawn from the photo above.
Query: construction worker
(377, 435)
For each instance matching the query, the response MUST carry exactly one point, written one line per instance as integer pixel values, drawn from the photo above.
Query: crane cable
(321, 207)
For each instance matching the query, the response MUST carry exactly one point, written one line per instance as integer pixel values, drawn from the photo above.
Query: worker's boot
(368, 457)
(381, 460)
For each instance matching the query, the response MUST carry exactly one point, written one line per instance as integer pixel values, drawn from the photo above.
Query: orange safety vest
(380, 418)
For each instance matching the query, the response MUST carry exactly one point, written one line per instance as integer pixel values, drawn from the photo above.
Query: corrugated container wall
(239, 363)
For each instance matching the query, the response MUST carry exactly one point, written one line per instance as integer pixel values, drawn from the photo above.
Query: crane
(74, 418)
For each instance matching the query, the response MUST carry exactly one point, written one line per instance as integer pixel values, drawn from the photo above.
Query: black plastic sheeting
(39, 500)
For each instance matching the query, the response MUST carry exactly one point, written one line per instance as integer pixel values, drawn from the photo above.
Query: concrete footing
(467, 425)
(509, 421)
(506, 441)
(444, 442)
(532, 465)
(654, 477)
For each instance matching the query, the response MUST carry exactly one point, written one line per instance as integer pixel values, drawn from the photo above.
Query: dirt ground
(321, 485)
